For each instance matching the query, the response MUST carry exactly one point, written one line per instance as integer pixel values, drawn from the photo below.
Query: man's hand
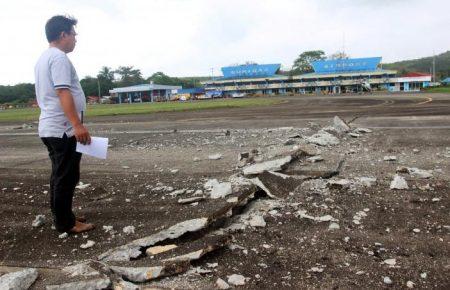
(82, 134)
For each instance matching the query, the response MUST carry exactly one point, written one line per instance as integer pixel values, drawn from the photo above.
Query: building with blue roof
(144, 93)
(446, 81)
(329, 76)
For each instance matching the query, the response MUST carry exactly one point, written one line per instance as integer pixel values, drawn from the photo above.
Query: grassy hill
(423, 65)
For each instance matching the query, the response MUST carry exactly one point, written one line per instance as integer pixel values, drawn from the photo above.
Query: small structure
(144, 93)
(446, 81)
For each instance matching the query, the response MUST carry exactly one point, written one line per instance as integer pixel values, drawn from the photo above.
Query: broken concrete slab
(18, 280)
(125, 285)
(340, 125)
(160, 249)
(326, 218)
(221, 284)
(416, 172)
(191, 199)
(212, 243)
(133, 249)
(323, 138)
(82, 269)
(277, 185)
(94, 284)
(398, 183)
(145, 274)
(128, 230)
(258, 208)
(218, 189)
(272, 165)
(236, 280)
(257, 221)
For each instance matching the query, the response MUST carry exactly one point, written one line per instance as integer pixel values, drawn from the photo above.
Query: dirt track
(146, 151)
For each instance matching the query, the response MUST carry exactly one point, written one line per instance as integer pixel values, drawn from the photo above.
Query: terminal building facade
(329, 77)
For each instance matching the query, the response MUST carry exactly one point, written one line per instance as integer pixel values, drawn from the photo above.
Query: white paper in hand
(98, 147)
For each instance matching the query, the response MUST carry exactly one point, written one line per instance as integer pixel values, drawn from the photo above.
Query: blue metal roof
(143, 87)
(250, 71)
(346, 65)
(446, 80)
(191, 91)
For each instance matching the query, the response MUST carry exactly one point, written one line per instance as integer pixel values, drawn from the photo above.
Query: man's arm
(67, 104)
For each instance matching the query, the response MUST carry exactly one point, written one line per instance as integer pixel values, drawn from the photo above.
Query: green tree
(303, 62)
(129, 76)
(89, 86)
(106, 80)
(20, 93)
(162, 79)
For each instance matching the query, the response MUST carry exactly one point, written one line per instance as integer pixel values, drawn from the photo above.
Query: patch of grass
(32, 114)
(444, 90)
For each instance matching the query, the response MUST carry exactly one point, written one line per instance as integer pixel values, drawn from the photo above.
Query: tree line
(106, 79)
(123, 76)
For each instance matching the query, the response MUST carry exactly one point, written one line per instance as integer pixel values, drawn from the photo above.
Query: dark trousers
(65, 176)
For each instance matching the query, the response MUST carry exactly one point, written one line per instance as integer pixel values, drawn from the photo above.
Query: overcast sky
(190, 37)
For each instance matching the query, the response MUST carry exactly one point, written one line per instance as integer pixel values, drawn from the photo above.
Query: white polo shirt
(55, 71)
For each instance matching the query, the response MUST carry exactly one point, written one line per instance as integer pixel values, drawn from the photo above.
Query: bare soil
(171, 149)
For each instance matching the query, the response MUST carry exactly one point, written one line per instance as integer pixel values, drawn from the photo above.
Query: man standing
(62, 103)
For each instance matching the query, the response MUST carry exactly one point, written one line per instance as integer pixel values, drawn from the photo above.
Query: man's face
(68, 40)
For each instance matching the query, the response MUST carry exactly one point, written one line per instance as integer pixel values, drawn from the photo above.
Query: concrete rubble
(236, 280)
(145, 274)
(272, 165)
(97, 284)
(87, 245)
(340, 125)
(39, 220)
(191, 199)
(398, 183)
(125, 285)
(218, 189)
(82, 269)
(128, 230)
(416, 172)
(277, 174)
(323, 138)
(325, 218)
(221, 284)
(18, 280)
(160, 249)
(133, 249)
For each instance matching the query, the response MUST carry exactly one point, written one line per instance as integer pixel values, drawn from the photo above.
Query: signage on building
(250, 71)
(346, 65)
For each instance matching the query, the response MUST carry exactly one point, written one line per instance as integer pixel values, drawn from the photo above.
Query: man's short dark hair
(58, 24)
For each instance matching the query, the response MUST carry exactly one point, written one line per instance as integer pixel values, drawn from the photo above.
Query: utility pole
(434, 67)
(212, 73)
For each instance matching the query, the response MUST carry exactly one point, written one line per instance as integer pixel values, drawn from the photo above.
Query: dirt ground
(152, 156)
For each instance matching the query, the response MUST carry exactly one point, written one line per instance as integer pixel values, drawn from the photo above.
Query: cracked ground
(149, 160)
